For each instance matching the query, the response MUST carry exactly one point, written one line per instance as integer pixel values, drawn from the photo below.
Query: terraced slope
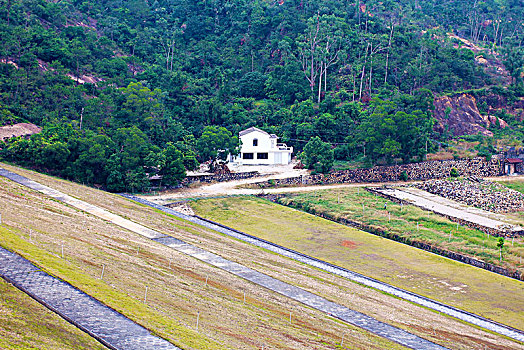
(224, 318)
(180, 288)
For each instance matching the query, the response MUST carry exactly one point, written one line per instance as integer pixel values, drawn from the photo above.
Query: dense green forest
(124, 89)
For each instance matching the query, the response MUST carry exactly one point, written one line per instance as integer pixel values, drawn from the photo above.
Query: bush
(454, 172)
(404, 176)
(318, 155)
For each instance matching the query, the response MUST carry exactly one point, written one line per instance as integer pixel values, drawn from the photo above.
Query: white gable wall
(264, 143)
(266, 151)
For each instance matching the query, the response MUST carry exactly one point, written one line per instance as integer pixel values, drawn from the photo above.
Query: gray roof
(251, 129)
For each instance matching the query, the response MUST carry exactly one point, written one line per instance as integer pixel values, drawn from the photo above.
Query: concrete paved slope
(106, 325)
(298, 294)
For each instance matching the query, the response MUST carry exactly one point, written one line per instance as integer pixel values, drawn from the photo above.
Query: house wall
(265, 144)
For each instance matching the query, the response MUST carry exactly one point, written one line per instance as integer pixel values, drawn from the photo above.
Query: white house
(260, 148)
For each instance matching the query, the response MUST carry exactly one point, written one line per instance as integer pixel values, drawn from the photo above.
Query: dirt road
(231, 188)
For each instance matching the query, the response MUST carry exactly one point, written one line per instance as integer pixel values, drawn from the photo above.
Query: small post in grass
(389, 216)
(138, 250)
(450, 236)
(342, 341)
(169, 265)
(198, 319)
(145, 296)
(102, 275)
(62, 250)
(244, 297)
(206, 280)
(290, 317)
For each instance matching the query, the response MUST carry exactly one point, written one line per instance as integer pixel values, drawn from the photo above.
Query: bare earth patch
(349, 244)
(20, 129)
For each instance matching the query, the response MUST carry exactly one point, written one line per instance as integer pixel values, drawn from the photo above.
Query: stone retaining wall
(476, 167)
(516, 274)
(218, 177)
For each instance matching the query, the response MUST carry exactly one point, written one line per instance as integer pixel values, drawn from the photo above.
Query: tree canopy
(186, 75)
(318, 155)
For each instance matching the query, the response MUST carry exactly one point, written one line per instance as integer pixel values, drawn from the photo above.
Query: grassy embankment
(517, 185)
(178, 291)
(472, 289)
(26, 324)
(37, 227)
(402, 220)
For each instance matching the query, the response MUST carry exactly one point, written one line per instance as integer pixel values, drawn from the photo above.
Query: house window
(247, 155)
(262, 156)
(255, 142)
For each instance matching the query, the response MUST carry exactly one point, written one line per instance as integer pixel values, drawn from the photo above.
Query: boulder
(460, 114)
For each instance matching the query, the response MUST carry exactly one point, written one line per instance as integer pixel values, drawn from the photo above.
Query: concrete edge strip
(466, 316)
(26, 276)
(298, 294)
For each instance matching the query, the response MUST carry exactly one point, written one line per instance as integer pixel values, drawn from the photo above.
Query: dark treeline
(124, 89)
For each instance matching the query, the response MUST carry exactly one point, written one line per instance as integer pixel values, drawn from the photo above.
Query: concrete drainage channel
(106, 325)
(353, 276)
(295, 293)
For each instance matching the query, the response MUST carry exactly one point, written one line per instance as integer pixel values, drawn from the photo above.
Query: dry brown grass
(177, 293)
(443, 155)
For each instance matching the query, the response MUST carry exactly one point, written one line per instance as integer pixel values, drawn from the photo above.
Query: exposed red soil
(349, 244)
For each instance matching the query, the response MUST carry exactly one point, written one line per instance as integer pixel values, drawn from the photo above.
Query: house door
(278, 158)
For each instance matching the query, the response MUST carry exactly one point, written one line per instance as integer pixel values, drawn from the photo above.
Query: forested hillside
(127, 88)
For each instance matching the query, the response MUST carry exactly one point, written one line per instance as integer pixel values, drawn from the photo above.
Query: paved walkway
(451, 208)
(298, 294)
(101, 322)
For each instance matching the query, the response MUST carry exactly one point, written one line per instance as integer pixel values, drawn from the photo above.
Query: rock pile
(482, 194)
